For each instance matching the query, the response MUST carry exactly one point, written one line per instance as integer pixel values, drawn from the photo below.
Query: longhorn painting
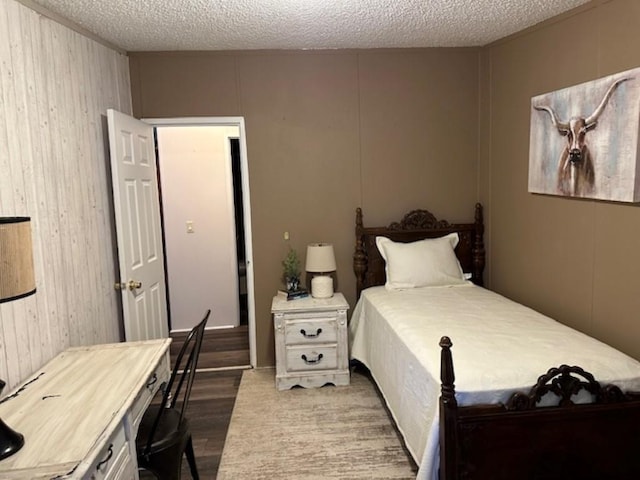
(584, 140)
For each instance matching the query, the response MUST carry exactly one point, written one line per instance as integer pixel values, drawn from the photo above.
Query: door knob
(131, 285)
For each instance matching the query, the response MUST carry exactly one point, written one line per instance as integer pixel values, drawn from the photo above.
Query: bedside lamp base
(322, 286)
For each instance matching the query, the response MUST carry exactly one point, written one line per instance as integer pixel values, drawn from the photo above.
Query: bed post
(448, 413)
(478, 247)
(359, 256)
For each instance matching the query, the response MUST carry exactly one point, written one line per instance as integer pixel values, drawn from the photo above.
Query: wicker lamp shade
(17, 279)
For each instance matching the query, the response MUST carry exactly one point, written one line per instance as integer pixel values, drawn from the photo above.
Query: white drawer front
(144, 397)
(122, 466)
(111, 458)
(306, 358)
(124, 469)
(302, 332)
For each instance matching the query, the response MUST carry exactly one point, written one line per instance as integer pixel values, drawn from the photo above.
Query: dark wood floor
(213, 394)
(209, 413)
(223, 347)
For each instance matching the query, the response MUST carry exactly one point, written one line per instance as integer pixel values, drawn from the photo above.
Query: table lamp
(321, 261)
(17, 280)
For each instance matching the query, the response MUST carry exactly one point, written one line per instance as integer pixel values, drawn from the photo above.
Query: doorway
(204, 184)
(236, 173)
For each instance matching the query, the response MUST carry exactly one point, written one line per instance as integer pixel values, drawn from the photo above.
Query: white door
(139, 235)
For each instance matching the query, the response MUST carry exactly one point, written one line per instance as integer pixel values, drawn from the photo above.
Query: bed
(529, 398)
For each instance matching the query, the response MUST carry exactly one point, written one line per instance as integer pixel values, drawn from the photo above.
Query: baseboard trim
(223, 369)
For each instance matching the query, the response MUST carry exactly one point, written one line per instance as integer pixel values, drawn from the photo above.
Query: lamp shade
(320, 258)
(17, 277)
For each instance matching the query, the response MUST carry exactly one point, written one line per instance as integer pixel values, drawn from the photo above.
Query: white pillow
(425, 263)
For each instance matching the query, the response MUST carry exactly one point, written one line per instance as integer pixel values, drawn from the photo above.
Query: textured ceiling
(151, 25)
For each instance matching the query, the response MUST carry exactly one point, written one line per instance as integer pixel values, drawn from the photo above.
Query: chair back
(177, 391)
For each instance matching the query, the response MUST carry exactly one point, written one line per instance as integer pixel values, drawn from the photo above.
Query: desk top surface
(75, 401)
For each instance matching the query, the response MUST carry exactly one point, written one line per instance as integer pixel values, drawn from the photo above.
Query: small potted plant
(291, 270)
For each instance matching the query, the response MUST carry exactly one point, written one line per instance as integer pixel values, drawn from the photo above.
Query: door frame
(246, 204)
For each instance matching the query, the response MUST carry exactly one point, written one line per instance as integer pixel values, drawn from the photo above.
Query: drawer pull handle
(312, 361)
(152, 381)
(106, 459)
(310, 335)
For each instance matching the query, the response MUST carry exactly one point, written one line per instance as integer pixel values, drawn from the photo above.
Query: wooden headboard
(368, 264)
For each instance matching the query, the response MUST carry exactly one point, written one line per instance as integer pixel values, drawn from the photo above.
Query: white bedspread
(499, 346)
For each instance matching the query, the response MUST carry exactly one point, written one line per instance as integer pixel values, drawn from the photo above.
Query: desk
(80, 413)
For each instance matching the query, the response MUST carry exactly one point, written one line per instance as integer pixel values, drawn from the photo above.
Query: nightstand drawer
(305, 358)
(323, 330)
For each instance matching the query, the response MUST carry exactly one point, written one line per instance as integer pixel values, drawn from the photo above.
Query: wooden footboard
(520, 440)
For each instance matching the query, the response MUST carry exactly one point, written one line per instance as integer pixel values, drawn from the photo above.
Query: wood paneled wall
(55, 88)
(574, 260)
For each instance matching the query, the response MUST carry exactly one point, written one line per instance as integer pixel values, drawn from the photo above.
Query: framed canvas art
(584, 140)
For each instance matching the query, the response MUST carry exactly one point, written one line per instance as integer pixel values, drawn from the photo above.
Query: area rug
(329, 432)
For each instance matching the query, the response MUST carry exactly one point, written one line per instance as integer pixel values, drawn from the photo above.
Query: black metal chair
(164, 434)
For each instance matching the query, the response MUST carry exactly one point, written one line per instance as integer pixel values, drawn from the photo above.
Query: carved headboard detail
(368, 264)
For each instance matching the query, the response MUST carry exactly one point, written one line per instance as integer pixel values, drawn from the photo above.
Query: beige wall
(576, 260)
(328, 131)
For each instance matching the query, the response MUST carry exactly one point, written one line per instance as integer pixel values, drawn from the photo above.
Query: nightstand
(311, 341)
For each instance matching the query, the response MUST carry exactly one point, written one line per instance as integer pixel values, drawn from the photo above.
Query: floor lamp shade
(321, 260)
(17, 277)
